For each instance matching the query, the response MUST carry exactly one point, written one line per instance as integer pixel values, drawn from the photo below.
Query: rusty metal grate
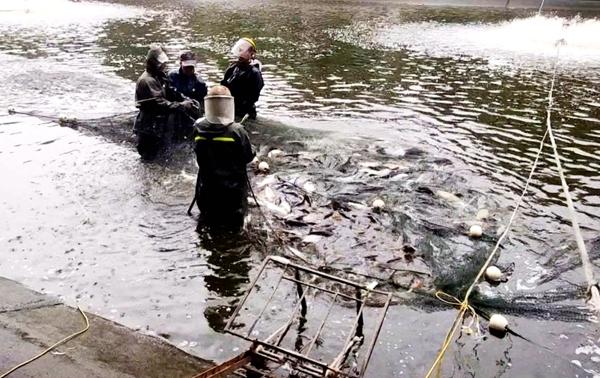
(277, 354)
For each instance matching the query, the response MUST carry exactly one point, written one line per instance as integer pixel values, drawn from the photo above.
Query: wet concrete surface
(30, 322)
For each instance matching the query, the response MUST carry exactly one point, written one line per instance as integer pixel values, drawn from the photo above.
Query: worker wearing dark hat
(223, 151)
(155, 105)
(187, 84)
(244, 78)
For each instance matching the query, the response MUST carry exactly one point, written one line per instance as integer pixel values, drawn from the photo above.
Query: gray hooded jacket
(152, 97)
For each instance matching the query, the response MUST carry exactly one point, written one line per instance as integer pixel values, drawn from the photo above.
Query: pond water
(352, 88)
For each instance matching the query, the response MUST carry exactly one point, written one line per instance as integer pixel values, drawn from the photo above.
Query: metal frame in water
(255, 361)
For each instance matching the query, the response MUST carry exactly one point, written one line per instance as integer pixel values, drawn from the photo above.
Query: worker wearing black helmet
(244, 78)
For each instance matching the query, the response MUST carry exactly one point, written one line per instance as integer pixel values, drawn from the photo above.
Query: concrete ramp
(30, 322)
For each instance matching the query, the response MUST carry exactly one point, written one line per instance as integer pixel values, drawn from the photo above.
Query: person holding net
(156, 105)
(186, 83)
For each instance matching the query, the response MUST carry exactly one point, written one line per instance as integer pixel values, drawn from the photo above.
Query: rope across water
(593, 292)
(594, 295)
(464, 305)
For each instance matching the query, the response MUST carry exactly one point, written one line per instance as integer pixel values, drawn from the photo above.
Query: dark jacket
(151, 100)
(185, 87)
(189, 86)
(222, 152)
(245, 83)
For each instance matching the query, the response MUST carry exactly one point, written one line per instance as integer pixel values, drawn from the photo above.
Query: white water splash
(515, 40)
(53, 12)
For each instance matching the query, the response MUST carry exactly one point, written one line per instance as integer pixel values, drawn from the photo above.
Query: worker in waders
(156, 105)
(223, 151)
(187, 84)
(244, 78)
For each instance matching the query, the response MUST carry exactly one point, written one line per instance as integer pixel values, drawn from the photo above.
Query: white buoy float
(498, 325)
(309, 187)
(275, 153)
(482, 214)
(263, 166)
(378, 204)
(493, 274)
(475, 231)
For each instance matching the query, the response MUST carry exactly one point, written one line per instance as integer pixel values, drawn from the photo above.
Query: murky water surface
(366, 99)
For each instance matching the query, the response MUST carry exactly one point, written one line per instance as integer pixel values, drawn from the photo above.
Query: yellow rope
(464, 305)
(594, 292)
(87, 326)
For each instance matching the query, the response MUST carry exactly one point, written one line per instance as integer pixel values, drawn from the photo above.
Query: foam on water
(52, 55)
(50, 88)
(530, 38)
(53, 12)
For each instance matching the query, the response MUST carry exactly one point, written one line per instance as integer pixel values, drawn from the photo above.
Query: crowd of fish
(402, 217)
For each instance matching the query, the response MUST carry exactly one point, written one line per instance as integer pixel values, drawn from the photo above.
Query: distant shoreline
(513, 4)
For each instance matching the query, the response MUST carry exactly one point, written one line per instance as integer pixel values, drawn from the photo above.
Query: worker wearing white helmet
(244, 78)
